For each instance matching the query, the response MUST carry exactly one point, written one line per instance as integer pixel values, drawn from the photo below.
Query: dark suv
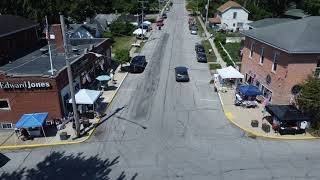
(138, 64)
(201, 57)
(199, 48)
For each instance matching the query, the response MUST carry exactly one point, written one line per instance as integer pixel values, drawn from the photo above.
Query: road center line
(208, 100)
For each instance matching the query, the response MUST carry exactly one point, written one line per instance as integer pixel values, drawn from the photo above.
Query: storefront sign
(24, 85)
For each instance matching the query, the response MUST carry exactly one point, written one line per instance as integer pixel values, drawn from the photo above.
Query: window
(6, 125)
(4, 104)
(317, 71)
(239, 24)
(234, 15)
(234, 24)
(251, 50)
(275, 62)
(262, 56)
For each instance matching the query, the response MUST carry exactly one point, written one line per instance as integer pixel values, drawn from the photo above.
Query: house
(15, 31)
(27, 85)
(277, 58)
(105, 20)
(267, 22)
(231, 16)
(87, 31)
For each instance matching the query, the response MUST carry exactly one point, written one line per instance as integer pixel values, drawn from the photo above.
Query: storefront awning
(229, 72)
(86, 96)
(32, 120)
(286, 113)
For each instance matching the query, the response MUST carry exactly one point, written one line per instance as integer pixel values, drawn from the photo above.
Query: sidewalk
(241, 117)
(215, 50)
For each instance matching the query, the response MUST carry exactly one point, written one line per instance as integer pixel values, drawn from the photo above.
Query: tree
(312, 7)
(121, 27)
(309, 97)
(122, 56)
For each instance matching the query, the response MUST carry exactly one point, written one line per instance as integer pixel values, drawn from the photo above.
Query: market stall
(246, 96)
(227, 77)
(31, 125)
(287, 119)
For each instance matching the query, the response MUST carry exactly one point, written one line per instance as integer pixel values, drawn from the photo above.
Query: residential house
(105, 20)
(231, 16)
(277, 58)
(87, 31)
(15, 31)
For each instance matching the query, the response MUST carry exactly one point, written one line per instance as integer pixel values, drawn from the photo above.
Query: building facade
(278, 67)
(27, 85)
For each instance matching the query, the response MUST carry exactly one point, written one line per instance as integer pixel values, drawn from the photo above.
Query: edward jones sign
(25, 85)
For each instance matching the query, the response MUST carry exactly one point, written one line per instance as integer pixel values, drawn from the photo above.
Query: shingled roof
(12, 24)
(230, 4)
(299, 36)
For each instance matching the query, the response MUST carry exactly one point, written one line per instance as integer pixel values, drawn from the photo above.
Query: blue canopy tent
(32, 121)
(249, 90)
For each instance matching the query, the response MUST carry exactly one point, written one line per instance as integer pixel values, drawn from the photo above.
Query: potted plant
(266, 127)
(63, 135)
(254, 123)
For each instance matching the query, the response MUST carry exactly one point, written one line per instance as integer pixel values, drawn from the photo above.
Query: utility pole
(49, 47)
(73, 99)
(207, 15)
(142, 3)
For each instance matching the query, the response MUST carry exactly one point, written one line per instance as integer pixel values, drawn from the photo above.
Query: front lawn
(200, 29)
(234, 50)
(123, 42)
(210, 57)
(214, 66)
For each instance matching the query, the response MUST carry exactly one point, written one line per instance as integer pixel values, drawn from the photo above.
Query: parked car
(201, 57)
(199, 48)
(138, 64)
(182, 74)
(164, 15)
(193, 26)
(193, 32)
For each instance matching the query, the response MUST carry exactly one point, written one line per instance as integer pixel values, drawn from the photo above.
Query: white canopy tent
(147, 22)
(139, 31)
(87, 97)
(229, 73)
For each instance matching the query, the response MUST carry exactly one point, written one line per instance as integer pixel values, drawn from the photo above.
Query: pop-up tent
(86, 96)
(35, 120)
(229, 73)
(249, 90)
(139, 31)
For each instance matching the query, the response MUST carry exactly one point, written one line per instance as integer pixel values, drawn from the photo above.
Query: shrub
(254, 123)
(108, 34)
(122, 56)
(120, 27)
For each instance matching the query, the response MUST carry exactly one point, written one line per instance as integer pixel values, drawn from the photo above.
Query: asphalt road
(160, 129)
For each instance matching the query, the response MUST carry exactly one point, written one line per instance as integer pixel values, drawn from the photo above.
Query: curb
(229, 117)
(65, 143)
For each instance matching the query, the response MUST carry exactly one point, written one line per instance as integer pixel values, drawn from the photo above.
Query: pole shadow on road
(58, 165)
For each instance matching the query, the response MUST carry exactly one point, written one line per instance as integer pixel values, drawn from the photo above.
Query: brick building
(277, 58)
(27, 85)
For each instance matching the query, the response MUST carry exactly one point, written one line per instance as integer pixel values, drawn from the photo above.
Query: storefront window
(4, 104)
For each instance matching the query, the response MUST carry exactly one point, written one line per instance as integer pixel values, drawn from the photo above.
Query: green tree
(309, 97)
(312, 7)
(122, 56)
(121, 28)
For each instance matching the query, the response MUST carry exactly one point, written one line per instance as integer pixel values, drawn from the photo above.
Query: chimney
(56, 28)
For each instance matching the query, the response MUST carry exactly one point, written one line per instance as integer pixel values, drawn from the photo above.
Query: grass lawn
(123, 42)
(214, 66)
(234, 50)
(138, 49)
(210, 57)
(200, 29)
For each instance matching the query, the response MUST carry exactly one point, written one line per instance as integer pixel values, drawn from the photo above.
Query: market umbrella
(103, 78)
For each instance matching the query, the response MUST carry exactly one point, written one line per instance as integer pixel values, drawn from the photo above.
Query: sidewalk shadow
(103, 119)
(3, 160)
(59, 165)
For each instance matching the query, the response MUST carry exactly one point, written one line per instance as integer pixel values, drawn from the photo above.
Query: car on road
(199, 48)
(138, 64)
(201, 57)
(164, 15)
(182, 74)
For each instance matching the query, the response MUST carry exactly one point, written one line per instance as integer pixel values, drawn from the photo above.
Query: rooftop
(11, 24)
(298, 13)
(230, 4)
(268, 21)
(37, 63)
(298, 36)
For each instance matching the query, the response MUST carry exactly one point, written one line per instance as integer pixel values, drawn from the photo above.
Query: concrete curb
(229, 117)
(65, 143)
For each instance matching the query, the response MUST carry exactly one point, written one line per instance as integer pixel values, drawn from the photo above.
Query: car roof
(181, 68)
(138, 58)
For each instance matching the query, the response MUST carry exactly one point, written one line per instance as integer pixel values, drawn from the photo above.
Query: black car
(182, 74)
(199, 48)
(164, 15)
(193, 27)
(138, 64)
(201, 57)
